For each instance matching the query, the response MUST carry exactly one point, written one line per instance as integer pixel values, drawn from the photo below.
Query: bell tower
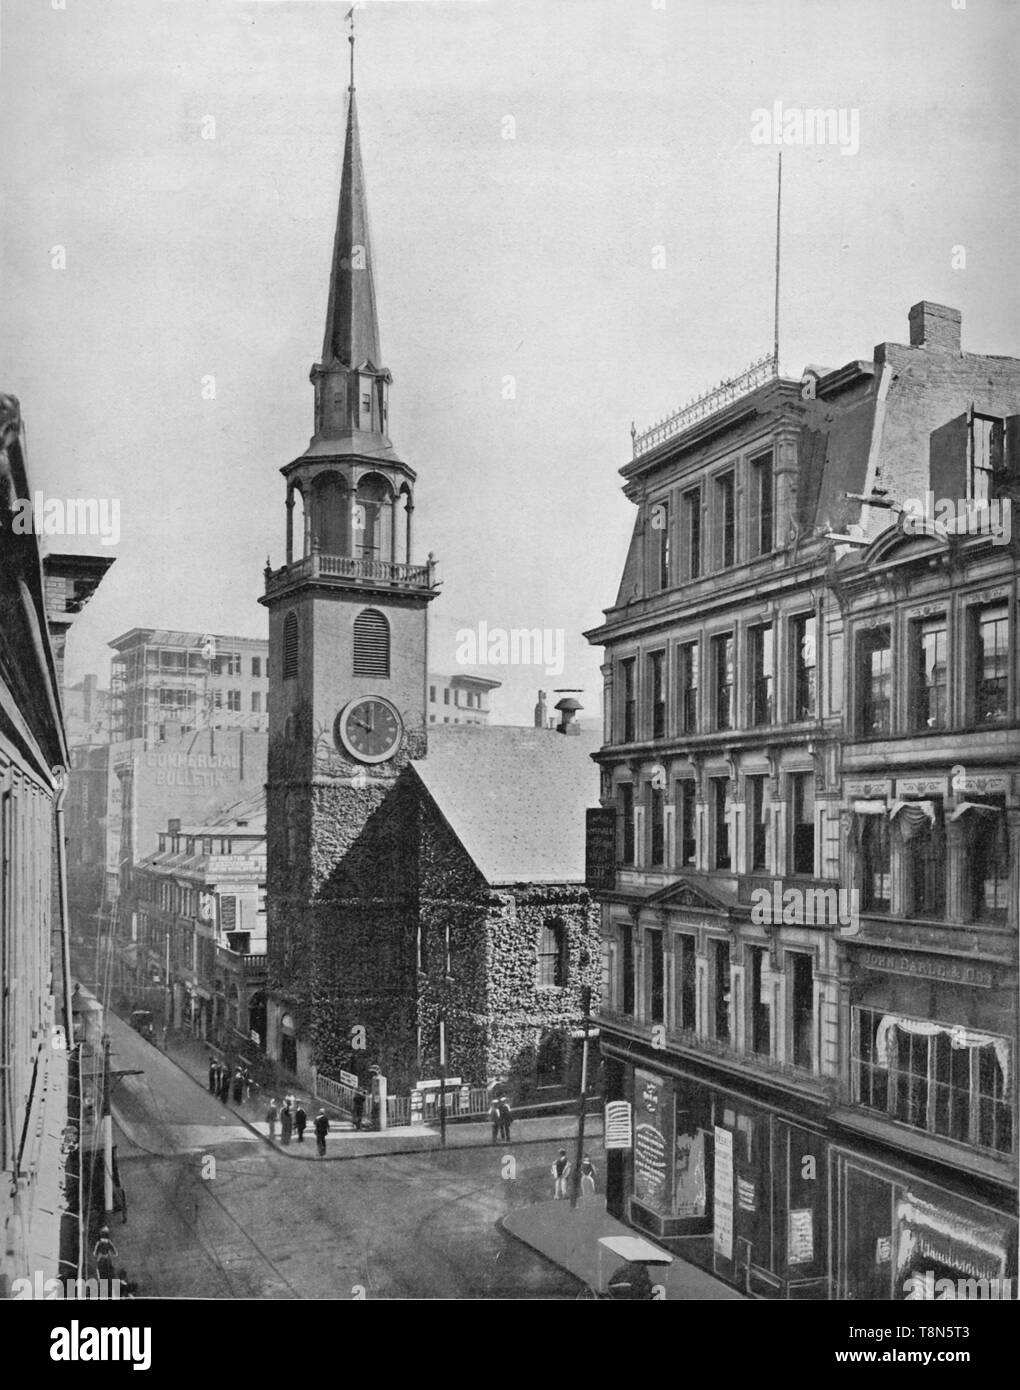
(347, 682)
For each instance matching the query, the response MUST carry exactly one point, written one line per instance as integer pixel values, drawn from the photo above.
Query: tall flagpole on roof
(779, 213)
(350, 40)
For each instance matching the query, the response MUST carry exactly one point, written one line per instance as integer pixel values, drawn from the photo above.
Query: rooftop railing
(765, 369)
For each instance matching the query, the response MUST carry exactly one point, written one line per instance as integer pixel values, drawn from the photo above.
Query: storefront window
(945, 1079)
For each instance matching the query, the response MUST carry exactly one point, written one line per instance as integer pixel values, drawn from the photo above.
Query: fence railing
(461, 1102)
(757, 374)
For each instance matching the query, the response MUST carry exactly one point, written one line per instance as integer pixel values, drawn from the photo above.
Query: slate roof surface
(514, 797)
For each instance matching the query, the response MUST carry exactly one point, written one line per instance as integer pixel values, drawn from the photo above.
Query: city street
(262, 1225)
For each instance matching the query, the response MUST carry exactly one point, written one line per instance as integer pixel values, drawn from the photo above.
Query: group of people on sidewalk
(237, 1084)
(293, 1119)
(561, 1171)
(501, 1117)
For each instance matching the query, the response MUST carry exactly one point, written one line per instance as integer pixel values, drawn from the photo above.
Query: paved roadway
(264, 1225)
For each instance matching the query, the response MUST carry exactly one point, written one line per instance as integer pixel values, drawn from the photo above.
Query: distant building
(164, 683)
(87, 713)
(198, 925)
(71, 580)
(459, 699)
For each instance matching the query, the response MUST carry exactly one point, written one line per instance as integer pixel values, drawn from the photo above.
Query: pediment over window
(702, 895)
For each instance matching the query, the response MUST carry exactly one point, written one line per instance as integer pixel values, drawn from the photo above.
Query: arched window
(290, 646)
(552, 954)
(371, 644)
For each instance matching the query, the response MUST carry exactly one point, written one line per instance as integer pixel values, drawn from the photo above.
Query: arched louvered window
(290, 646)
(371, 644)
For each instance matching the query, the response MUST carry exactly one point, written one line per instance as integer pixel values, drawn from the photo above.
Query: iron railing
(757, 374)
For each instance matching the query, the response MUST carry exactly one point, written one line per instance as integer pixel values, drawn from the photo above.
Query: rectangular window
(756, 814)
(802, 1008)
(628, 700)
(990, 645)
(720, 823)
(726, 521)
(660, 519)
(627, 823)
(987, 456)
(762, 661)
(552, 954)
(234, 700)
(804, 651)
(722, 673)
(876, 877)
(256, 666)
(692, 533)
(687, 678)
(760, 1003)
(627, 953)
(256, 702)
(687, 992)
(655, 977)
(656, 822)
(446, 695)
(928, 705)
(874, 677)
(763, 539)
(987, 841)
(721, 990)
(802, 790)
(432, 694)
(687, 827)
(657, 690)
(924, 854)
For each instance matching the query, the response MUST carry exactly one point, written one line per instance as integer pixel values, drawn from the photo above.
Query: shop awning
(959, 1037)
(966, 807)
(870, 808)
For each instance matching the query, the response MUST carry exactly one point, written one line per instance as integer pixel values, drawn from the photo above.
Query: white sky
(530, 257)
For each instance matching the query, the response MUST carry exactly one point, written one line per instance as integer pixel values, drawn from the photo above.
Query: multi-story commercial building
(199, 925)
(924, 1160)
(164, 683)
(726, 1022)
(38, 1196)
(460, 699)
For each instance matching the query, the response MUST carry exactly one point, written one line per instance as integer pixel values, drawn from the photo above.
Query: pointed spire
(352, 328)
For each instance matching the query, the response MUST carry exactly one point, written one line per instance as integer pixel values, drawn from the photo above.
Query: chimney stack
(568, 709)
(540, 711)
(935, 326)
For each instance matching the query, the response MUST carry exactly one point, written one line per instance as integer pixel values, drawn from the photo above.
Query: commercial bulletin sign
(722, 1224)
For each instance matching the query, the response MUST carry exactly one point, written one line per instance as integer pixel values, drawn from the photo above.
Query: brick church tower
(347, 693)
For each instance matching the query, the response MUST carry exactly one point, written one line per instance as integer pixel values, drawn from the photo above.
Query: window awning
(966, 806)
(959, 1037)
(870, 808)
(915, 810)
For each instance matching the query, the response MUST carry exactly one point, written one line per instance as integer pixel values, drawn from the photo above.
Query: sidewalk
(344, 1141)
(569, 1238)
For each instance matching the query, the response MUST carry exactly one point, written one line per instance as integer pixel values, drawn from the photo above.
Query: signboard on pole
(347, 1078)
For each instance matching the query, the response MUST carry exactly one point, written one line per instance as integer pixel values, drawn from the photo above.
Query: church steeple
(351, 384)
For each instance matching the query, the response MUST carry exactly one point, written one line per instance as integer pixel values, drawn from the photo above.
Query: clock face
(369, 729)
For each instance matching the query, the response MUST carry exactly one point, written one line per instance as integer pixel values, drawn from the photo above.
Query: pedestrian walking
(271, 1116)
(506, 1118)
(286, 1122)
(561, 1171)
(238, 1086)
(214, 1075)
(358, 1108)
(321, 1130)
(224, 1084)
(588, 1175)
(300, 1120)
(104, 1253)
(249, 1087)
(497, 1120)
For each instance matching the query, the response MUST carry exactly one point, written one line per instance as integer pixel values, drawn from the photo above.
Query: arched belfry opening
(330, 514)
(374, 519)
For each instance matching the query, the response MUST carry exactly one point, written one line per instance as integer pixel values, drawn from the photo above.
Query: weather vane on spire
(350, 40)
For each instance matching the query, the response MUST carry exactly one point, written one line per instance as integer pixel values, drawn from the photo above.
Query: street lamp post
(575, 1188)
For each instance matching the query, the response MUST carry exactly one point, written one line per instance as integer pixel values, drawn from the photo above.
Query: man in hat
(321, 1130)
(561, 1170)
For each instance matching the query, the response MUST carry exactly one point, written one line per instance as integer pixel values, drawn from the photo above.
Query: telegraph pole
(442, 1079)
(575, 1185)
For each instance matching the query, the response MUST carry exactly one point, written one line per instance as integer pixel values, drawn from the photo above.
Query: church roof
(514, 797)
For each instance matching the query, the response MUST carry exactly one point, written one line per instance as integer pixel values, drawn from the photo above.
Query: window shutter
(290, 646)
(371, 644)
